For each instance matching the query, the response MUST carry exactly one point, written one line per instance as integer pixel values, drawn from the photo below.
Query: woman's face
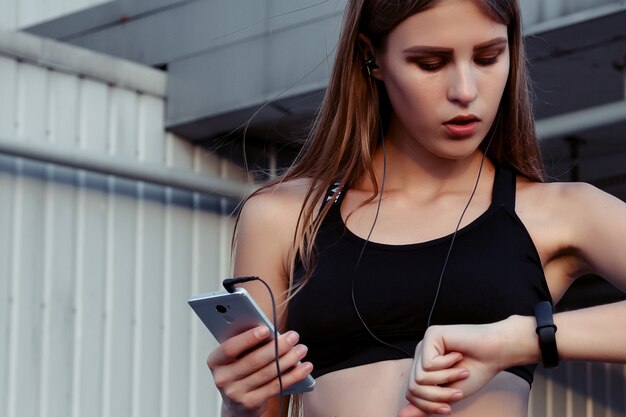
(445, 70)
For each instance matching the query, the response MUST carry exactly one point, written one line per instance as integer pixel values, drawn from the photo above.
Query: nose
(462, 87)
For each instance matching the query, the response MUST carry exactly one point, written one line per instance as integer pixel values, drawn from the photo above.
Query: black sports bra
(494, 271)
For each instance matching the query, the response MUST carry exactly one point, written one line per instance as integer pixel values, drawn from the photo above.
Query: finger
(272, 388)
(443, 377)
(262, 356)
(430, 407)
(229, 350)
(297, 374)
(269, 372)
(439, 361)
(433, 394)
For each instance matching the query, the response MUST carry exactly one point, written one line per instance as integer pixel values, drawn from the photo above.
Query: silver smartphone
(228, 314)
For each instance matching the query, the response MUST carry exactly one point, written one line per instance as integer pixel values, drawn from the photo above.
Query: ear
(369, 57)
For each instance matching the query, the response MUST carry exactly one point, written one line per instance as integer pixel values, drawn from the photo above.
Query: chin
(458, 150)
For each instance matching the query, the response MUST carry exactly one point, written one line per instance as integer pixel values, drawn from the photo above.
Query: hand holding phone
(228, 314)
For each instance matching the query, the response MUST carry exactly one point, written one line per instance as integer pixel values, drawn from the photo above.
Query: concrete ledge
(582, 120)
(126, 168)
(73, 60)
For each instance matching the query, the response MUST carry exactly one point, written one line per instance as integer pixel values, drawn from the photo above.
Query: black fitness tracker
(546, 330)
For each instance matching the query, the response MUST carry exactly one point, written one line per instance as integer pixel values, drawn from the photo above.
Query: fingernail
(262, 332)
(301, 350)
(292, 337)
(464, 374)
(457, 396)
(308, 366)
(443, 410)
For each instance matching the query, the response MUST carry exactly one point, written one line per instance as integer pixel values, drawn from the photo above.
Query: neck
(412, 171)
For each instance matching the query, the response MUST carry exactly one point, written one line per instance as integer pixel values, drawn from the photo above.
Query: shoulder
(276, 204)
(264, 238)
(267, 226)
(565, 199)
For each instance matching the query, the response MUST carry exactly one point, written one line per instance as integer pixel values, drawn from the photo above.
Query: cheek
(409, 92)
(408, 105)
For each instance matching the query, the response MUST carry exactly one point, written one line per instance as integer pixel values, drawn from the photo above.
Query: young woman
(418, 200)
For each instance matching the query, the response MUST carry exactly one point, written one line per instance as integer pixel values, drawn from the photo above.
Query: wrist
(519, 342)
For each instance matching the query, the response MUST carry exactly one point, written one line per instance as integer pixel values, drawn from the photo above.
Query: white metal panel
(151, 127)
(94, 116)
(210, 243)
(63, 108)
(32, 105)
(176, 314)
(112, 272)
(123, 123)
(120, 297)
(59, 293)
(90, 274)
(7, 196)
(149, 296)
(179, 154)
(8, 92)
(95, 271)
(27, 291)
(212, 238)
(8, 17)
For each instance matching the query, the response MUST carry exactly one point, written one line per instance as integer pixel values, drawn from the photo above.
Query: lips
(462, 126)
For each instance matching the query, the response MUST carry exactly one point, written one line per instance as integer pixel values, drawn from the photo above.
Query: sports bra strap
(330, 194)
(504, 188)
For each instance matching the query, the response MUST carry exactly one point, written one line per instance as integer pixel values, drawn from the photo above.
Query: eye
(431, 65)
(487, 59)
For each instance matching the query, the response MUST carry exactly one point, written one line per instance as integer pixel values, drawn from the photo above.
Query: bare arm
(243, 367)
(590, 334)
(593, 228)
(597, 225)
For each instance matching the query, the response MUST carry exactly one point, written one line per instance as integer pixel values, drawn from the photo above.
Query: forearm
(590, 334)
(593, 334)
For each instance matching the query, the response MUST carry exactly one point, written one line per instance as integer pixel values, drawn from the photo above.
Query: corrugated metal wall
(579, 389)
(95, 271)
(20, 13)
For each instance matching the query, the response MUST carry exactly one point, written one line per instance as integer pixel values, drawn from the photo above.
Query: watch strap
(546, 331)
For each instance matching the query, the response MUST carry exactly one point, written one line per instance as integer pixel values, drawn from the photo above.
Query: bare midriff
(378, 390)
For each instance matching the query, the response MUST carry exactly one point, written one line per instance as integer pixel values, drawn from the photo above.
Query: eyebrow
(419, 49)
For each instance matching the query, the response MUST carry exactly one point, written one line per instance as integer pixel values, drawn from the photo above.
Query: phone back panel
(228, 314)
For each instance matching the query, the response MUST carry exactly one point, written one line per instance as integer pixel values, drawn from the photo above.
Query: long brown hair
(354, 111)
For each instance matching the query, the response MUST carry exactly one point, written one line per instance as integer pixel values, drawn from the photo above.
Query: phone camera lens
(220, 308)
